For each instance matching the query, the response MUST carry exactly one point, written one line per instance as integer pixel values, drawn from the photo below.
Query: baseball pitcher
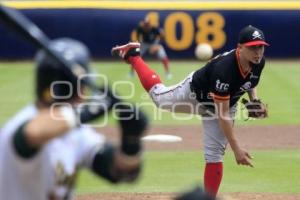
(211, 91)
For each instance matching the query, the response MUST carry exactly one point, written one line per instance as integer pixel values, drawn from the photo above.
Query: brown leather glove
(256, 109)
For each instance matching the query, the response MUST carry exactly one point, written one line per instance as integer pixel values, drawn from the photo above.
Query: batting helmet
(53, 83)
(196, 194)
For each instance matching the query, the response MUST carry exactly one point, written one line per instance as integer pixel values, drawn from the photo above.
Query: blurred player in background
(150, 38)
(44, 145)
(213, 92)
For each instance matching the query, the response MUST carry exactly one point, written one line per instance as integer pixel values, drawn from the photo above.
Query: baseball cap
(251, 36)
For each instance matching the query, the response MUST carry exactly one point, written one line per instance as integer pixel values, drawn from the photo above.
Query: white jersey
(52, 172)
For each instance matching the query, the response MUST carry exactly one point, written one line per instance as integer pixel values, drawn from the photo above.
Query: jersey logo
(256, 35)
(221, 87)
(246, 86)
(252, 76)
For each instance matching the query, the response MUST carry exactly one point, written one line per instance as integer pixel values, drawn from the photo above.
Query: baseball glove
(256, 108)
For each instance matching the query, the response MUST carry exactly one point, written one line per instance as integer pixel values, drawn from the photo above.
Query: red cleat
(124, 51)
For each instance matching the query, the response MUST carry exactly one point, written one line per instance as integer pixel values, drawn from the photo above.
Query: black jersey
(148, 36)
(222, 78)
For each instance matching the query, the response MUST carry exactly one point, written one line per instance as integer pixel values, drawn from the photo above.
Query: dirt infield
(250, 137)
(164, 196)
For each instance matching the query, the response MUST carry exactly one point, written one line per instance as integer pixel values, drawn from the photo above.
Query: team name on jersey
(222, 87)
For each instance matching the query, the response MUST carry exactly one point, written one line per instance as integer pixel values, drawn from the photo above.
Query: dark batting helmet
(56, 82)
(196, 194)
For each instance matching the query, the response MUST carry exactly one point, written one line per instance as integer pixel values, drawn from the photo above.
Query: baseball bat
(20, 24)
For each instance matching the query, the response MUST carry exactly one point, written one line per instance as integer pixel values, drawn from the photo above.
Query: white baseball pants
(180, 99)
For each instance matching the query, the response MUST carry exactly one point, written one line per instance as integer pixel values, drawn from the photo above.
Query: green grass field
(275, 171)
(278, 88)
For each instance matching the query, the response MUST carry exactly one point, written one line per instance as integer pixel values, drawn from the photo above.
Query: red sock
(212, 177)
(146, 75)
(165, 62)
